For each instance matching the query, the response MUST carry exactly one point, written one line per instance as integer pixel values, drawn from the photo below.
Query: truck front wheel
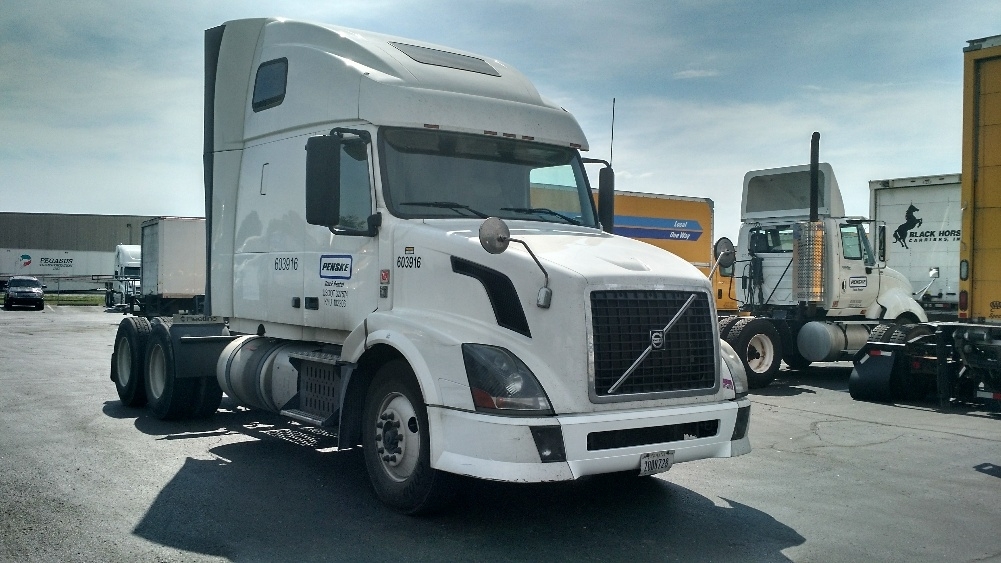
(397, 445)
(757, 343)
(127, 360)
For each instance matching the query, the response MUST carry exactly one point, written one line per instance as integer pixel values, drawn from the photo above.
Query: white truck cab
(812, 288)
(404, 247)
(126, 278)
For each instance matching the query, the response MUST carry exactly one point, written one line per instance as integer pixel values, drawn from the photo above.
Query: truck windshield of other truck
(434, 174)
(772, 239)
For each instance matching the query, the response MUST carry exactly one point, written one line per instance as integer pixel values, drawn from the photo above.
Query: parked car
(24, 290)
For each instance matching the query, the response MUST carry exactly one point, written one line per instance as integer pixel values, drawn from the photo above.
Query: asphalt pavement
(83, 478)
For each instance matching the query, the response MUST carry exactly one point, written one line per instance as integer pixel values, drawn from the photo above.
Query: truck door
(341, 282)
(857, 284)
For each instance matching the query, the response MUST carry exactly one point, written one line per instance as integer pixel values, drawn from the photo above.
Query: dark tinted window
(269, 87)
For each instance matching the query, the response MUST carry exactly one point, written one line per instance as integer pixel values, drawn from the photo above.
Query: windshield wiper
(542, 211)
(447, 205)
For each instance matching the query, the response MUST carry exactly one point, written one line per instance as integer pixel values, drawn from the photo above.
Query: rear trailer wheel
(757, 343)
(397, 445)
(127, 360)
(169, 397)
(109, 300)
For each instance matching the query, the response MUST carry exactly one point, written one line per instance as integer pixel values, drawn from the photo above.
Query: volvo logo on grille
(657, 339)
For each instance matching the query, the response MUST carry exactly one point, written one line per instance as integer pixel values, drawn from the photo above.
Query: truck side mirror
(323, 180)
(881, 243)
(606, 199)
(724, 252)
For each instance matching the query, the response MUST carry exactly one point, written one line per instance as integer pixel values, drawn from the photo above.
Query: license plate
(656, 462)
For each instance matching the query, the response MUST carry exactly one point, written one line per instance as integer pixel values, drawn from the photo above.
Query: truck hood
(893, 279)
(600, 258)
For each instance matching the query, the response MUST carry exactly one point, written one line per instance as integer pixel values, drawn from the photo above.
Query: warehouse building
(67, 252)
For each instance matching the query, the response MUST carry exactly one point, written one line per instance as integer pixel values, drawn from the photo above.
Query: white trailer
(60, 270)
(173, 265)
(362, 191)
(922, 218)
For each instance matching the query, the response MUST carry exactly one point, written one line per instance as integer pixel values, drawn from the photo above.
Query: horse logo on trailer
(910, 221)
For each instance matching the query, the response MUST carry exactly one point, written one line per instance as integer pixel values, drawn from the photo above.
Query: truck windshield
(434, 174)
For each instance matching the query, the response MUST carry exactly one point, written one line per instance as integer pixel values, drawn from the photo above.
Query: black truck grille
(622, 321)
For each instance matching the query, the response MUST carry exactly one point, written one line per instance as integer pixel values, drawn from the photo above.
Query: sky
(101, 101)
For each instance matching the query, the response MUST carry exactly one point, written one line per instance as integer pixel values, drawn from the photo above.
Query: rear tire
(127, 361)
(169, 397)
(726, 324)
(757, 343)
(109, 300)
(396, 444)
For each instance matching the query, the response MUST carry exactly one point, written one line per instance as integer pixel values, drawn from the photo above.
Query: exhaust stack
(814, 176)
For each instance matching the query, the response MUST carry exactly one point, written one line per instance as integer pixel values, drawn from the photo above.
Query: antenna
(612, 142)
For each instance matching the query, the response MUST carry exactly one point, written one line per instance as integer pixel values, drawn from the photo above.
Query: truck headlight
(736, 368)
(501, 383)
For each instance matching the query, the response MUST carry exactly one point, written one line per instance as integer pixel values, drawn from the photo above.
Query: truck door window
(851, 242)
(356, 188)
(870, 258)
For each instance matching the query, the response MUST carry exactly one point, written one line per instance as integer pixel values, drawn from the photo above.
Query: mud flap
(872, 376)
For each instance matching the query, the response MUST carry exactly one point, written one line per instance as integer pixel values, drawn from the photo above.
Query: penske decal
(335, 267)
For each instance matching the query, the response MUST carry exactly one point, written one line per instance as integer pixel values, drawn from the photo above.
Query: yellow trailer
(956, 360)
(682, 225)
(980, 242)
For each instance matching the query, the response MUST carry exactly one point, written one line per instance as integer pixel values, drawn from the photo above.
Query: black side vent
(501, 292)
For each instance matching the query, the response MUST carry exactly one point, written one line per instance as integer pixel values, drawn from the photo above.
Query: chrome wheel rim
(397, 437)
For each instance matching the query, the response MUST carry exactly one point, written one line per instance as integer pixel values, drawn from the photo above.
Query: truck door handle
(313, 303)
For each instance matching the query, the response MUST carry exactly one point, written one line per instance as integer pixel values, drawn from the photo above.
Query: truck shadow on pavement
(283, 493)
(789, 383)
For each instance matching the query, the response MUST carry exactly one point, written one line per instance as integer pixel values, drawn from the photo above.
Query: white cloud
(686, 74)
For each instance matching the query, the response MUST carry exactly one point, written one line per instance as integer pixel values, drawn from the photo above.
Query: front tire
(757, 343)
(127, 361)
(397, 445)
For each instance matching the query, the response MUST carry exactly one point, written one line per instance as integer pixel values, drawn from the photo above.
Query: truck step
(318, 357)
(304, 417)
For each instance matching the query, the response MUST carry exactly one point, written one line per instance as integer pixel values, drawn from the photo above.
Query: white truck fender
(896, 302)
(435, 357)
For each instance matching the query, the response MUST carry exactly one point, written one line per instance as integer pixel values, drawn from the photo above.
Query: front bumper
(19, 301)
(504, 448)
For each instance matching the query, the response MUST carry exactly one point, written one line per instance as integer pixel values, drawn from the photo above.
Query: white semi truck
(811, 286)
(920, 227)
(124, 286)
(362, 192)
